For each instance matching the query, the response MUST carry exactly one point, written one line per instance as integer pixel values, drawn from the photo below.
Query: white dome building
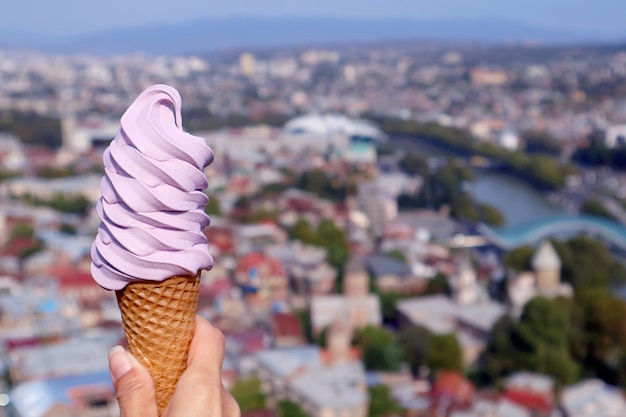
(334, 124)
(361, 136)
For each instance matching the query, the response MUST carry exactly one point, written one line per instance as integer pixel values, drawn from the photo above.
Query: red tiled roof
(454, 386)
(220, 237)
(541, 401)
(286, 325)
(251, 340)
(265, 265)
(17, 246)
(69, 276)
(217, 287)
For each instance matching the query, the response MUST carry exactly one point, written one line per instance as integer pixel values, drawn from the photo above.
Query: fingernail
(119, 363)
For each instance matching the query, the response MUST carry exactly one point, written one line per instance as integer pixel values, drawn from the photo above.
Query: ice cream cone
(158, 319)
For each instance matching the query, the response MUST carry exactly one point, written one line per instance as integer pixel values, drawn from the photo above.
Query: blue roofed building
(90, 394)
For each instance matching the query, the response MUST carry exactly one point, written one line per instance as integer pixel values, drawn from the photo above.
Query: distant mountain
(237, 32)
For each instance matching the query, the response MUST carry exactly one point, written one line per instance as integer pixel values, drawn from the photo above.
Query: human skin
(199, 392)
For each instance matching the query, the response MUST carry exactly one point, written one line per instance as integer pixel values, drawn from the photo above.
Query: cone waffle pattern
(158, 320)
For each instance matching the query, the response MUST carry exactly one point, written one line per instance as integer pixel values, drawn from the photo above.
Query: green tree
(335, 241)
(519, 258)
(414, 164)
(382, 403)
(541, 142)
(302, 231)
(314, 181)
(587, 263)
(29, 243)
(500, 355)
(599, 340)
(21, 230)
(69, 204)
(490, 215)
(380, 349)
(438, 285)
(539, 342)
(55, 172)
(273, 189)
(286, 408)
(397, 254)
(414, 341)
(388, 302)
(35, 247)
(213, 207)
(68, 228)
(544, 171)
(6, 174)
(595, 207)
(448, 187)
(305, 321)
(444, 353)
(541, 170)
(32, 128)
(247, 392)
(262, 215)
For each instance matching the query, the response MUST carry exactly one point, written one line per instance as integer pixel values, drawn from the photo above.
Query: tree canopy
(539, 342)
(247, 392)
(380, 349)
(286, 408)
(444, 353)
(585, 262)
(327, 235)
(415, 342)
(382, 403)
(542, 170)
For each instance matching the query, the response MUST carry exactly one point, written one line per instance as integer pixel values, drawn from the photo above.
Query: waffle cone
(158, 319)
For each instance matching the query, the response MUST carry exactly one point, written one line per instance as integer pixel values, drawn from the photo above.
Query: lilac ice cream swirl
(152, 206)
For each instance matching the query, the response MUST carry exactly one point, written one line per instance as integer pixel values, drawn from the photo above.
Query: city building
(547, 267)
(393, 275)
(247, 64)
(333, 389)
(262, 275)
(531, 391)
(286, 330)
(356, 304)
(472, 323)
(80, 136)
(591, 398)
(373, 200)
(86, 395)
(309, 273)
(615, 136)
(491, 408)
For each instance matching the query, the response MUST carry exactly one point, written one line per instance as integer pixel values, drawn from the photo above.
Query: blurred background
(418, 208)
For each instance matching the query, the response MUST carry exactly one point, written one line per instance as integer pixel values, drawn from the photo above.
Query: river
(516, 200)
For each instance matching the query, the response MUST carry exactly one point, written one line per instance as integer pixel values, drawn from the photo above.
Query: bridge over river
(554, 227)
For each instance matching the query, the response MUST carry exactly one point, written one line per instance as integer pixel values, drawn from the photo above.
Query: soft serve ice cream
(152, 205)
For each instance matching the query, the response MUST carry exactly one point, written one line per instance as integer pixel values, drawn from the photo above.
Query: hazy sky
(68, 17)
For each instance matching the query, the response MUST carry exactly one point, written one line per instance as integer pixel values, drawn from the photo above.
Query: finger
(206, 352)
(199, 390)
(133, 385)
(230, 407)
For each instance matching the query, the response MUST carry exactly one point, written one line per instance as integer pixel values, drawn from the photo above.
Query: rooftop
(36, 398)
(336, 386)
(440, 315)
(593, 398)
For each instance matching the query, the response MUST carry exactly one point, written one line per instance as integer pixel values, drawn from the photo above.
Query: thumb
(133, 385)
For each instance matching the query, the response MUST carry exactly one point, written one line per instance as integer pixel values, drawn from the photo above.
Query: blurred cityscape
(427, 229)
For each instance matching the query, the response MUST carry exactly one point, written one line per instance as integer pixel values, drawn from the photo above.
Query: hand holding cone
(158, 320)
